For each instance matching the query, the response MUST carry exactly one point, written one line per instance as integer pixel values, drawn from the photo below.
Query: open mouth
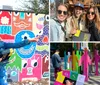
(31, 79)
(26, 51)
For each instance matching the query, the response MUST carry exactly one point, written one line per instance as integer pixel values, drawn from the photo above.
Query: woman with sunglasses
(93, 23)
(76, 21)
(57, 31)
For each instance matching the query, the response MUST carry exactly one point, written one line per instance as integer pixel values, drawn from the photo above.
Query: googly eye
(28, 14)
(16, 13)
(40, 32)
(47, 18)
(34, 63)
(24, 63)
(47, 57)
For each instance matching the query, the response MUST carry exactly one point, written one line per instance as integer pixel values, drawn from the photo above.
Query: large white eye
(47, 18)
(16, 13)
(40, 32)
(28, 14)
(24, 63)
(36, 14)
(34, 63)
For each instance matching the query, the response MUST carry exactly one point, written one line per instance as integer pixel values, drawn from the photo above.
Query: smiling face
(61, 13)
(21, 21)
(91, 14)
(78, 11)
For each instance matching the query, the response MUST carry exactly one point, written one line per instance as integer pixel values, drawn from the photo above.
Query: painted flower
(25, 36)
(5, 20)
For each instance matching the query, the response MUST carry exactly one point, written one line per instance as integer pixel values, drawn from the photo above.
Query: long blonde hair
(96, 19)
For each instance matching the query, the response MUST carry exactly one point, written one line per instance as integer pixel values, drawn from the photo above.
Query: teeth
(32, 79)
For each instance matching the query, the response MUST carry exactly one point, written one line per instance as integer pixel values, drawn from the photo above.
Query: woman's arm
(5, 51)
(96, 34)
(20, 44)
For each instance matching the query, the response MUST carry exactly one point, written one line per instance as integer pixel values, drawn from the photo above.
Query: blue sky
(13, 3)
(51, 1)
(16, 4)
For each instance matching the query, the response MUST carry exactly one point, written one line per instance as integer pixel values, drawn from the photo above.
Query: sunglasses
(91, 13)
(64, 12)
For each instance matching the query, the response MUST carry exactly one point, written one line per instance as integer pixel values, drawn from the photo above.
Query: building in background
(6, 7)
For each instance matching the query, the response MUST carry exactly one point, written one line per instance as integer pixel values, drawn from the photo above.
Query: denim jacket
(56, 61)
(56, 32)
(5, 47)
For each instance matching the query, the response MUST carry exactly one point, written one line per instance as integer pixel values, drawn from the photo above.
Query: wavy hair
(96, 18)
(63, 4)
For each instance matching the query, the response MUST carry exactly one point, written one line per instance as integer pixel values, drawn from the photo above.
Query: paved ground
(43, 81)
(93, 80)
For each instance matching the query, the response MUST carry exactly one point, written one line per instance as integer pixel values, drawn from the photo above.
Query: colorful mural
(21, 21)
(32, 69)
(31, 61)
(45, 65)
(26, 51)
(5, 22)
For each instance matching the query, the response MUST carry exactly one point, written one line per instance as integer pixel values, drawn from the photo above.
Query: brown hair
(63, 4)
(96, 19)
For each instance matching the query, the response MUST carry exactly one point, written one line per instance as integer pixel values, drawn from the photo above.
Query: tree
(36, 6)
(45, 3)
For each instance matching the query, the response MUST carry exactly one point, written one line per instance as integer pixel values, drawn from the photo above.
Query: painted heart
(45, 39)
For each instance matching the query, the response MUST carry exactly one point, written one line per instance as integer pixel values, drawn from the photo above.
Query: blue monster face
(26, 51)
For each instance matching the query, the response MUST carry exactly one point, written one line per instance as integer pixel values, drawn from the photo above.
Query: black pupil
(35, 64)
(40, 32)
(25, 65)
(25, 37)
(28, 13)
(16, 12)
(47, 17)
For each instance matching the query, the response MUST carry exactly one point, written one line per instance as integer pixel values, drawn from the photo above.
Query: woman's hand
(0, 59)
(73, 31)
(34, 39)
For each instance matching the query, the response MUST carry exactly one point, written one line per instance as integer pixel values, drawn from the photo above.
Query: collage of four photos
(50, 42)
(74, 42)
